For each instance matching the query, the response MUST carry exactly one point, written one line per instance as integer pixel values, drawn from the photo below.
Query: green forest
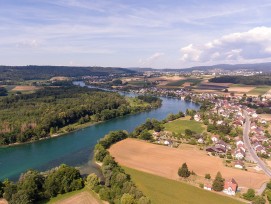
(47, 72)
(52, 111)
(246, 80)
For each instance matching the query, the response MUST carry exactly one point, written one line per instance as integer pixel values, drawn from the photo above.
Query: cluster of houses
(258, 137)
(230, 187)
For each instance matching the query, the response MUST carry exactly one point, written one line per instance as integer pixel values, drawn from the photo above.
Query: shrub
(207, 176)
(183, 171)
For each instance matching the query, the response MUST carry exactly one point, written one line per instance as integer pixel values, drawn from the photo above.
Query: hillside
(265, 67)
(46, 72)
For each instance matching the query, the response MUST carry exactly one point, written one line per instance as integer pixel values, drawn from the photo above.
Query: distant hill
(264, 67)
(46, 72)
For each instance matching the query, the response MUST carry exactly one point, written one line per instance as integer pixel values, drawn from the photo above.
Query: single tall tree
(183, 171)
(218, 184)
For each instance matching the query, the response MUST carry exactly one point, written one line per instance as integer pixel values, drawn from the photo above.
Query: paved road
(250, 149)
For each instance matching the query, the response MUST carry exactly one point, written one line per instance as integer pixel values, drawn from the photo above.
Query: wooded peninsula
(57, 110)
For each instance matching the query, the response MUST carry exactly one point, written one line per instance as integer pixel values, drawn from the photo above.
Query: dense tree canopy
(3, 91)
(34, 186)
(247, 80)
(44, 113)
(46, 72)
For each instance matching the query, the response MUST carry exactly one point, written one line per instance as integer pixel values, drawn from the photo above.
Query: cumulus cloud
(251, 45)
(28, 43)
(152, 59)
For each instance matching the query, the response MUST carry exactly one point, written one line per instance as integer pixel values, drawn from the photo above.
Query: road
(250, 149)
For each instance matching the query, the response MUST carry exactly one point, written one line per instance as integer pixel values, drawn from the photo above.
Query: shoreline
(86, 125)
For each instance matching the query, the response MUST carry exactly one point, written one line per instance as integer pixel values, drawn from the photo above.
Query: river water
(76, 148)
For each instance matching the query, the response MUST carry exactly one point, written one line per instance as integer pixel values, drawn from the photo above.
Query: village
(227, 111)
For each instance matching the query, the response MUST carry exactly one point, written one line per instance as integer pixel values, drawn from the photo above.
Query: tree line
(117, 186)
(247, 80)
(46, 72)
(34, 186)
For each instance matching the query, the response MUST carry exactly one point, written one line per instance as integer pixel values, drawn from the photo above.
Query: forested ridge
(46, 72)
(45, 112)
(247, 80)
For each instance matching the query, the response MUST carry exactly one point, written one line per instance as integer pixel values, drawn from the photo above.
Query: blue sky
(138, 33)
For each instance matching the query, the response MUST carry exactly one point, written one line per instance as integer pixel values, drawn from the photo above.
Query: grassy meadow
(161, 190)
(260, 90)
(179, 125)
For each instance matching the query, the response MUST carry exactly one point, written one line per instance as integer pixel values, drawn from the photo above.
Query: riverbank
(77, 127)
(135, 105)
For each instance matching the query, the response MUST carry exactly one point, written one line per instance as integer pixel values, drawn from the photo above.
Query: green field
(182, 81)
(161, 190)
(260, 90)
(179, 125)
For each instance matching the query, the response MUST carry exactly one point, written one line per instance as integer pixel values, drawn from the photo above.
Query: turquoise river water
(76, 148)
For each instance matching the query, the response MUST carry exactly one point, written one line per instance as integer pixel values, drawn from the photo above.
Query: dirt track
(165, 161)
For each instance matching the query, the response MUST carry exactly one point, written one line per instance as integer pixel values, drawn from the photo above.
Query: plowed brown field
(165, 161)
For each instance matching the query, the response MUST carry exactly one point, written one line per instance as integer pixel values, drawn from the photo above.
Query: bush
(258, 200)
(207, 176)
(92, 181)
(127, 199)
(249, 195)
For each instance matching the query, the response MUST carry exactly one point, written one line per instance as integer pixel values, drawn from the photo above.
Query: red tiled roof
(231, 184)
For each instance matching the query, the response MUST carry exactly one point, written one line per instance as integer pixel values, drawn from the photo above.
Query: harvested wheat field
(216, 84)
(59, 78)
(25, 88)
(241, 89)
(82, 198)
(165, 161)
(266, 116)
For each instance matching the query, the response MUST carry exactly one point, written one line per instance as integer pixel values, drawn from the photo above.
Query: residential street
(250, 149)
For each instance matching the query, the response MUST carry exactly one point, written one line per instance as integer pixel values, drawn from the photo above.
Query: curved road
(250, 149)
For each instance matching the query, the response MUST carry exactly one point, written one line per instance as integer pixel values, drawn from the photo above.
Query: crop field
(179, 125)
(183, 81)
(162, 190)
(260, 90)
(241, 89)
(164, 161)
(25, 88)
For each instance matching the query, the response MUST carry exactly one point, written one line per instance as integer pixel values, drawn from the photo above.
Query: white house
(230, 187)
(239, 142)
(214, 139)
(239, 164)
(207, 187)
(239, 154)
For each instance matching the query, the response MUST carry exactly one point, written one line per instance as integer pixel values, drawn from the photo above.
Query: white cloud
(152, 59)
(251, 45)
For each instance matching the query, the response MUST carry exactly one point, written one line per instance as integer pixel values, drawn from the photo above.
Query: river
(76, 148)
